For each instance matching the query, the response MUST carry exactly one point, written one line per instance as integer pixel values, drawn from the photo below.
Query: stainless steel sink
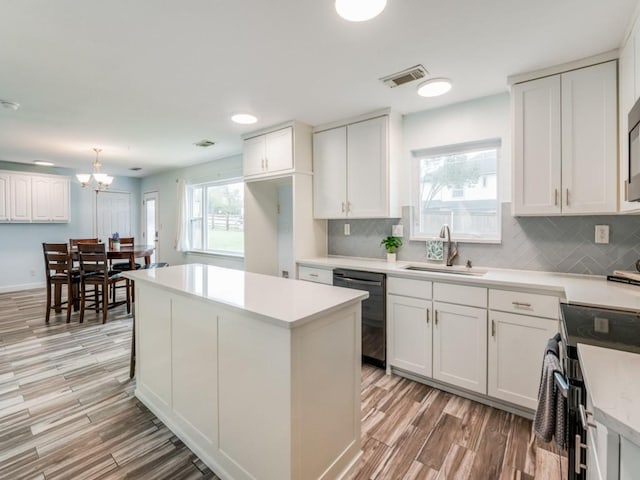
(454, 270)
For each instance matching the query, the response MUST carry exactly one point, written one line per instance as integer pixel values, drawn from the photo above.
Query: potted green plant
(391, 244)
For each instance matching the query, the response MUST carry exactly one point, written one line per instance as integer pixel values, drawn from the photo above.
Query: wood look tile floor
(67, 411)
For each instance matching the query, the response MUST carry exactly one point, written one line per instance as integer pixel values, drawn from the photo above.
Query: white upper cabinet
(273, 153)
(330, 173)
(566, 125)
(33, 198)
(19, 198)
(589, 140)
(4, 197)
(355, 169)
(536, 136)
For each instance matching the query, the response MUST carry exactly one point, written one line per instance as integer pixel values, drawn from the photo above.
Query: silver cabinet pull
(493, 328)
(348, 207)
(436, 320)
(584, 418)
(315, 275)
(521, 304)
(427, 316)
(555, 202)
(567, 197)
(262, 164)
(266, 164)
(342, 207)
(579, 446)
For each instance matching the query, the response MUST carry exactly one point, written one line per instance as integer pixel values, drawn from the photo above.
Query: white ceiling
(145, 79)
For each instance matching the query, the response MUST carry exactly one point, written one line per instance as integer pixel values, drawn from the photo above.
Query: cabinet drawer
(460, 294)
(408, 287)
(318, 275)
(524, 303)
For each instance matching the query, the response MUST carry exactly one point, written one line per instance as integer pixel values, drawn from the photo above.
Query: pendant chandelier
(102, 180)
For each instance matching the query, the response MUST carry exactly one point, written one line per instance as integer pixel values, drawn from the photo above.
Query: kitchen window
(216, 217)
(457, 185)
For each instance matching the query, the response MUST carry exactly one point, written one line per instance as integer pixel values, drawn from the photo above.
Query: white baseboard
(24, 286)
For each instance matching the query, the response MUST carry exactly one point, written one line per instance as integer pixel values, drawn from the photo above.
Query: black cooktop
(600, 327)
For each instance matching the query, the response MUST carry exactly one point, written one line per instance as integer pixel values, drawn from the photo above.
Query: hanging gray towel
(549, 420)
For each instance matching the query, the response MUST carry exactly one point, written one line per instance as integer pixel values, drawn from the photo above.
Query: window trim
(204, 186)
(418, 154)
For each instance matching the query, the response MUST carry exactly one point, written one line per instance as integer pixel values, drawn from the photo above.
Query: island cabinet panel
(254, 381)
(153, 315)
(327, 395)
(194, 333)
(255, 397)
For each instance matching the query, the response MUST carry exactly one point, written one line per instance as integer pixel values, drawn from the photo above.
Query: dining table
(125, 252)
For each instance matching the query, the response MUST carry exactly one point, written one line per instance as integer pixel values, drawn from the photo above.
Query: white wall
(478, 119)
(165, 184)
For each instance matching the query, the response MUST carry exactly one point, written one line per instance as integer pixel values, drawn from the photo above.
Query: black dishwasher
(374, 311)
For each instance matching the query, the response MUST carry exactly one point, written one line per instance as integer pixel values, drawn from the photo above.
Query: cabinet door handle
(584, 420)
(493, 328)
(262, 164)
(427, 316)
(555, 202)
(348, 207)
(521, 304)
(579, 446)
(342, 207)
(266, 164)
(567, 198)
(436, 320)
(314, 275)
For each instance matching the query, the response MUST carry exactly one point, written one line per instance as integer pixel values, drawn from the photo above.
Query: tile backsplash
(555, 244)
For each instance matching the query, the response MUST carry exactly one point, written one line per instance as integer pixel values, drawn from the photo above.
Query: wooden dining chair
(74, 242)
(124, 266)
(59, 272)
(94, 270)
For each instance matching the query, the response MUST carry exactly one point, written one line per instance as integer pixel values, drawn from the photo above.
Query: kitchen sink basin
(454, 270)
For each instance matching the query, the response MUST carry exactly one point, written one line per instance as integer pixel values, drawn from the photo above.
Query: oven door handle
(561, 383)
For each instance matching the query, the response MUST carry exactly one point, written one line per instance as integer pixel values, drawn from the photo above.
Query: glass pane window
(457, 185)
(217, 217)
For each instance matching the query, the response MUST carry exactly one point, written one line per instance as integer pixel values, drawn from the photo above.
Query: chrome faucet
(451, 252)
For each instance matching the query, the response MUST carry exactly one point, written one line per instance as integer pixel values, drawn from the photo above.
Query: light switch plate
(602, 234)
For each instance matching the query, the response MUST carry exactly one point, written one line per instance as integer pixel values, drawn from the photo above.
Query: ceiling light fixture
(10, 105)
(434, 87)
(102, 179)
(360, 10)
(43, 163)
(244, 118)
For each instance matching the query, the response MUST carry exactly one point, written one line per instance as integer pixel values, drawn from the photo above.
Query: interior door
(150, 222)
(113, 214)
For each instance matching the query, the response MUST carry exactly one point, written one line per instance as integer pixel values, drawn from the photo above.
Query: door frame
(152, 194)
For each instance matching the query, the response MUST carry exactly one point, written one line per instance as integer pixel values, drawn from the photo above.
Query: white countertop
(612, 378)
(282, 301)
(590, 290)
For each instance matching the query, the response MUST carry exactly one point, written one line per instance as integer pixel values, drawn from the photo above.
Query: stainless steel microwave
(633, 190)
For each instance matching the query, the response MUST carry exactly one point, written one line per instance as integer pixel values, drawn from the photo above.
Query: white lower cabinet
(410, 334)
(629, 460)
(460, 346)
(516, 346)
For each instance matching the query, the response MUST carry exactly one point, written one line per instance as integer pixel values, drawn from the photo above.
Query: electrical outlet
(397, 230)
(602, 234)
(347, 229)
(601, 325)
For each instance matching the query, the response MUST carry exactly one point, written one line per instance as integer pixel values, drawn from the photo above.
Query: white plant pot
(391, 257)
(116, 246)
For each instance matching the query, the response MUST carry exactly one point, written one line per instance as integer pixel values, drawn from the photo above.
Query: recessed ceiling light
(244, 118)
(135, 169)
(434, 87)
(10, 105)
(43, 163)
(205, 143)
(360, 10)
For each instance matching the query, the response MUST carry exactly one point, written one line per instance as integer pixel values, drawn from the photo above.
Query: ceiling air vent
(405, 76)
(204, 143)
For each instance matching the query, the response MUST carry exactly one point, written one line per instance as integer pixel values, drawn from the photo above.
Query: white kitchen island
(258, 375)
